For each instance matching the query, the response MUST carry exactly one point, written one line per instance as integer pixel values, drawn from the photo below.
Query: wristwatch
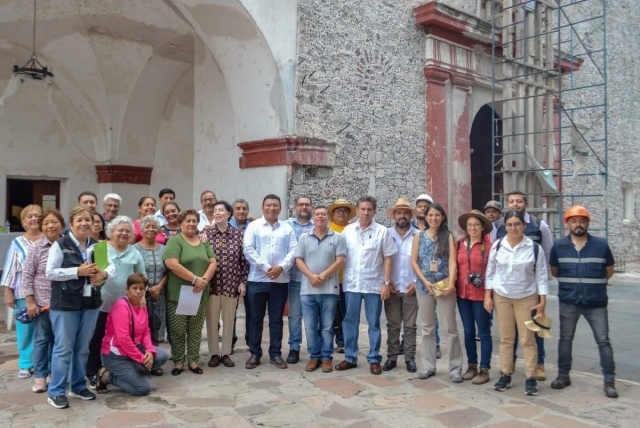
(387, 283)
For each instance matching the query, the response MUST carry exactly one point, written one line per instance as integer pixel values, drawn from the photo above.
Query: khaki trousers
(400, 308)
(512, 314)
(448, 328)
(227, 307)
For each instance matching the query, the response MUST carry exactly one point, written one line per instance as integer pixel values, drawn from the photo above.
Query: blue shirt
(582, 275)
(299, 229)
(234, 223)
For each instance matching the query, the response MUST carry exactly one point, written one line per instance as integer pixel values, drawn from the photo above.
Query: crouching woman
(128, 355)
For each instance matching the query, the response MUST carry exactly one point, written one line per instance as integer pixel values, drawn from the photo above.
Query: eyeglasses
(209, 200)
(272, 206)
(341, 210)
(512, 225)
(304, 204)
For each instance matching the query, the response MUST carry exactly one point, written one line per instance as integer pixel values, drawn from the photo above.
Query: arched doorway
(483, 161)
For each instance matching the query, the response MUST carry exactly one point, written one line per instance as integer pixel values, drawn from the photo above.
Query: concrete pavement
(267, 396)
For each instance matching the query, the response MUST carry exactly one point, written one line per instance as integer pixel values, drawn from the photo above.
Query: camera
(475, 279)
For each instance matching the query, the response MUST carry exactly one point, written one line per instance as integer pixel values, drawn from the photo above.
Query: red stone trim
(290, 150)
(450, 24)
(124, 174)
(436, 75)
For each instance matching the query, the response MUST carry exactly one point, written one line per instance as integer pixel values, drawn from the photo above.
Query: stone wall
(360, 84)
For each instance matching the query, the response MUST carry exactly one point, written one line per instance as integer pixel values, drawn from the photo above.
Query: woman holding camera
(516, 278)
(473, 256)
(434, 263)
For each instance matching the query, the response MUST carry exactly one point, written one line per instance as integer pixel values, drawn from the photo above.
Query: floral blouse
(233, 268)
(426, 250)
(168, 233)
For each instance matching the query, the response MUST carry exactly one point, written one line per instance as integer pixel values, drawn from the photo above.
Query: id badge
(86, 290)
(433, 266)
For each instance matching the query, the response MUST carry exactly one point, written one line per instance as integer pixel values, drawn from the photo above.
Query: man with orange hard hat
(583, 265)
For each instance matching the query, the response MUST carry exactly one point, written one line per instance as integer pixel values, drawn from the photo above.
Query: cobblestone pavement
(267, 396)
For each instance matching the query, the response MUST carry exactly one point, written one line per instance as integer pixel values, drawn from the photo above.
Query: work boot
(610, 390)
(471, 372)
(481, 377)
(561, 382)
(541, 375)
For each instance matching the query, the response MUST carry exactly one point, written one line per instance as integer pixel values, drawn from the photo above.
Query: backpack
(536, 252)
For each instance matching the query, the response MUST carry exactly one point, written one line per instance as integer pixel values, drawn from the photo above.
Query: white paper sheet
(189, 301)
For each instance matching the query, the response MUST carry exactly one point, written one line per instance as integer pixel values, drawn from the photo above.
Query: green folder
(100, 257)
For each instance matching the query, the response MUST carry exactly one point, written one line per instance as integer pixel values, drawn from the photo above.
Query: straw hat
(541, 324)
(401, 203)
(462, 221)
(342, 203)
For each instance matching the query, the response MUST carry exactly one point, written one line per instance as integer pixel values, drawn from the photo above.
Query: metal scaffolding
(550, 96)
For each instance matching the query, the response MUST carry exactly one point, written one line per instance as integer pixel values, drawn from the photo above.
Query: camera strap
(469, 257)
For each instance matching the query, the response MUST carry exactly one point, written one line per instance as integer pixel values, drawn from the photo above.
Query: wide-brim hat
(401, 203)
(342, 203)
(541, 324)
(462, 221)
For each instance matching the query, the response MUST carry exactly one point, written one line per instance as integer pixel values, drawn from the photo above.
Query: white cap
(424, 197)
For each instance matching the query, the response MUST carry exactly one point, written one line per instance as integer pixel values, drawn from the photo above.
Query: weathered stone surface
(562, 422)
(254, 409)
(192, 415)
(390, 401)
(206, 402)
(340, 412)
(428, 385)
(469, 417)
(231, 421)
(316, 401)
(522, 412)
(434, 402)
(284, 414)
(379, 381)
(263, 384)
(340, 386)
(128, 419)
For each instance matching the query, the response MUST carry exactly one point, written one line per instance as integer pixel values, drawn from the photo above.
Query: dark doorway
(483, 161)
(23, 192)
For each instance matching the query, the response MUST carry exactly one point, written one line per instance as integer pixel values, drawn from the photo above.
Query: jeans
(473, 314)
(295, 316)
(123, 374)
(24, 337)
(341, 310)
(539, 346)
(319, 307)
(42, 345)
(72, 332)
(259, 295)
(598, 320)
(351, 325)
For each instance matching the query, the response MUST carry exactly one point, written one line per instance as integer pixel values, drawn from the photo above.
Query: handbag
(138, 366)
(440, 286)
(154, 317)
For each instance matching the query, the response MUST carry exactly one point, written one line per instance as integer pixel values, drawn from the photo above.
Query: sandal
(157, 372)
(176, 371)
(24, 374)
(101, 386)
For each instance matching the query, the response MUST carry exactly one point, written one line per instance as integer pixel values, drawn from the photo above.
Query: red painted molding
(436, 75)
(124, 174)
(291, 150)
(452, 24)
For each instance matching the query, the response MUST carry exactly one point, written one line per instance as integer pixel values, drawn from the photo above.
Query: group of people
(83, 319)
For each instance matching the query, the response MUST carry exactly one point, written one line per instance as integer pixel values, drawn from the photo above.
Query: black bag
(138, 366)
(154, 317)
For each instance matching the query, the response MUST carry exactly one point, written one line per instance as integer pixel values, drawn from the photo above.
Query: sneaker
(340, 349)
(561, 382)
(531, 387)
(471, 372)
(503, 384)
(93, 381)
(426, 374)
(456, 377)
(438, 352)
(541, 375)
(85, 395)
(59, 402)
(481, 377)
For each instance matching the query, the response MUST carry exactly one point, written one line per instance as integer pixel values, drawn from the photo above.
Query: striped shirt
(34, 273)
(12, 271)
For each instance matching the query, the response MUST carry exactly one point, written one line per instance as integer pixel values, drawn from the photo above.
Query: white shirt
(547, 239)
(56, 273)
(265, 246)
(161, 220)
(204, 221)
(401, 270)
(366, 250)
(510, 270)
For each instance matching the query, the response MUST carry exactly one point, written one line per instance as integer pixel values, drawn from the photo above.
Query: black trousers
(95, 361)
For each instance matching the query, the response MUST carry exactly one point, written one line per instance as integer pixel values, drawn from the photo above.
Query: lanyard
(469, 257)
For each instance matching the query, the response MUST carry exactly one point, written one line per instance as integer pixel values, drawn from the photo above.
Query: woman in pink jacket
(127, 352)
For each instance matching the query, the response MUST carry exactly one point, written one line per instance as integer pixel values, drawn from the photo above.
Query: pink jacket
(117, 338)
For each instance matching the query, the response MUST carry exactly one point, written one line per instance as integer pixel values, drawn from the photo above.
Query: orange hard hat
(576, 211)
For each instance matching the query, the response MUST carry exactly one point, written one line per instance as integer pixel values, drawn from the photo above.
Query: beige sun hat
(462, 220)
(342, 203)
(401, 203)
(541, 324)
